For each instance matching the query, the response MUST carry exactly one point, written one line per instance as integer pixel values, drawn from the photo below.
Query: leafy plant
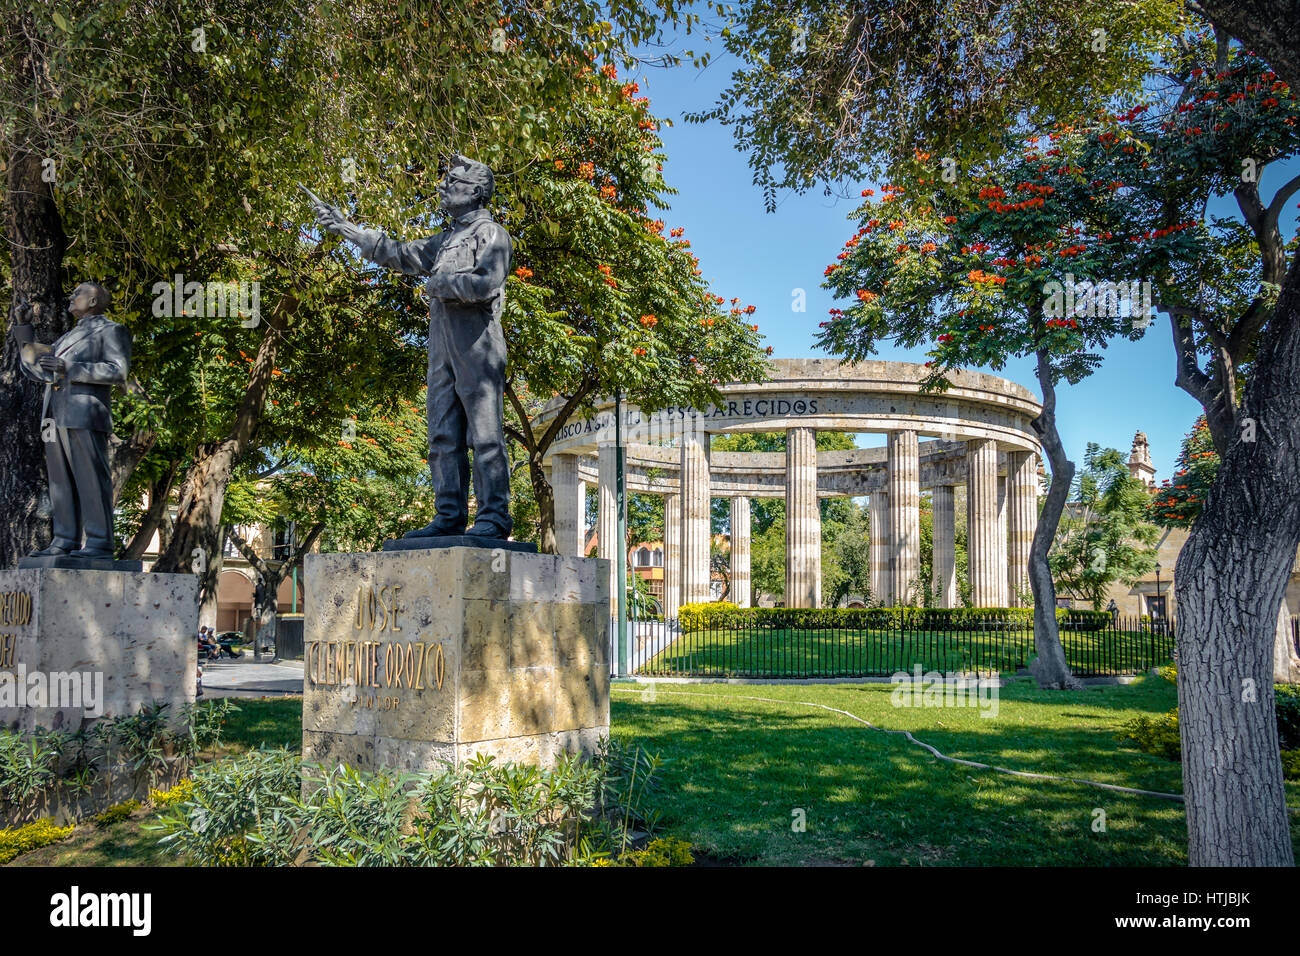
(32, 836)
(249, 811)
(117, 813)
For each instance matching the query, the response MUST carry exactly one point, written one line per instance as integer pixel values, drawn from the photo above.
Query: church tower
(1139, 461)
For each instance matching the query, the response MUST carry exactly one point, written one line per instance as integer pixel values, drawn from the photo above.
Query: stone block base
(418, 657)
(78, 645)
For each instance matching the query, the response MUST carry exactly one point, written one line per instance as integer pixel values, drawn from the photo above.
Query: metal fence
(663, 649)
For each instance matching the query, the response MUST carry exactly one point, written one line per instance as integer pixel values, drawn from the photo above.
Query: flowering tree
(973, 267)
(602, 299)
(1178, 501)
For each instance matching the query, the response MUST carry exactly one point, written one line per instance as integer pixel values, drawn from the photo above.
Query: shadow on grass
(785, 784)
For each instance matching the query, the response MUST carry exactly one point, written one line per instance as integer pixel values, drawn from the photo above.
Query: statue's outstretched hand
(330, 218)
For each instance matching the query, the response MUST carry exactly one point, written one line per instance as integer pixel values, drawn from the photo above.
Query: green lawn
(784, 652)
(736, 770)
(739, 769)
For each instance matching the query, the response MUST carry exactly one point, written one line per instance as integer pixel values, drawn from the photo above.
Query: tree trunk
(1270, 28)
(267, 611)
(34, 231)
(153, 519)
(1049, 665)
(196, 537)
(196, 541)
(1230, 582)
(545, 496)
(127, 453)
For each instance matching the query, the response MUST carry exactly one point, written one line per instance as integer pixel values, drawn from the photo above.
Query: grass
(843, 652)
(738, 771)
(262, 722)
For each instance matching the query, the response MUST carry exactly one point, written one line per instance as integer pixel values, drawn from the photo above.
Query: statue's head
(468, 185)
(89, 298)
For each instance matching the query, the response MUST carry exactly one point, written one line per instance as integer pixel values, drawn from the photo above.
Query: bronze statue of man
(79, 372)
(466, 265)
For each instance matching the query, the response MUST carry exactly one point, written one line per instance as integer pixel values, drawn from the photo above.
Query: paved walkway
(246, 677)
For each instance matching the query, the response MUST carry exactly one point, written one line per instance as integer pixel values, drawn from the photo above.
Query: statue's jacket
(474, 256)
(97, 352)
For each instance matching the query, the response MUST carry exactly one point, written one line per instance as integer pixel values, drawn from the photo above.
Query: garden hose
(1176, 797)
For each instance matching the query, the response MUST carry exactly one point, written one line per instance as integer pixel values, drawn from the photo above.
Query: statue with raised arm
(466, 267)
(79, 371)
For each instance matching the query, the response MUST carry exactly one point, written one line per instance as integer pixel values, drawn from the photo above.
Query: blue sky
(762, 257)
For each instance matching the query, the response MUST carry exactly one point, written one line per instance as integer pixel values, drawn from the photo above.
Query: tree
(1104, 535)
(179, 134)
(846, 555)
(1178, 503)
(828, 92)
(962, 264)
(1232, 572)
(602, 301)
(1233, 296)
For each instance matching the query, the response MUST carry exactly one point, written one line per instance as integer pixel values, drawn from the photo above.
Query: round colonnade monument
(977, 433)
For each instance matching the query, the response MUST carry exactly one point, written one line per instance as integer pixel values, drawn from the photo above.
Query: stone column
(803, 523)
(740, 590)
(881, 583)
(944, 545)
(988, 576)
(1022, 518)
(904, 513)
(607, 543)
(695, 515)
(672, 555)
(570, 505)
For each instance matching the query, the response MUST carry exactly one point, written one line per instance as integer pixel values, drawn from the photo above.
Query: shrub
(1286, 701)
(663, 851)
(230, 799)
(1154, 735)
(163, 799)
(1159, 735)
(33, 836)
(250, 811)
(117, 813)
(42, 766)
(1291, 764)
(697, 617)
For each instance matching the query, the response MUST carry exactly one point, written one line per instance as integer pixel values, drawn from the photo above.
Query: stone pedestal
(418, 657)
(78, 645)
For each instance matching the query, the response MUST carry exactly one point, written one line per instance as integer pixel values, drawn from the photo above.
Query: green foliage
(1103, 535)
(1179, 500)
(1286, 703)
(694, 617)
(19, 840)
(1159, 735)
(231, 799)
(117, 813)
(827, 92)
(1291, 765)
(146, 747)
(662, 851)
(700, 617)
(252, 810)
(1154, 735)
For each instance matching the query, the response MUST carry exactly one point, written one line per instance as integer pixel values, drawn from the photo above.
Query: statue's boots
(434, 530)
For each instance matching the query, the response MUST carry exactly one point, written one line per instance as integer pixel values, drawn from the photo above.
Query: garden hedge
(723, 614)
